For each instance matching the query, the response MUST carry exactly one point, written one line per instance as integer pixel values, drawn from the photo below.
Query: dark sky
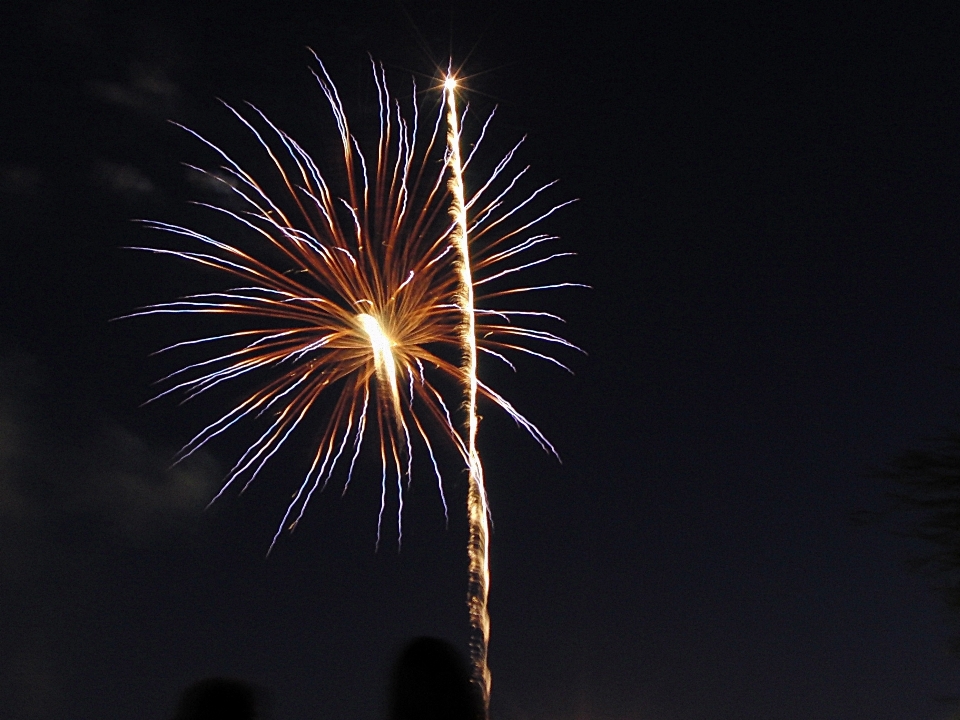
(768, 217)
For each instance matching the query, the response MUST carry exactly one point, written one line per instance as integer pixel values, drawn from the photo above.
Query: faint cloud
(57, 464)
(142, 494)
(20, 180)
(122, 179)
(147, 90)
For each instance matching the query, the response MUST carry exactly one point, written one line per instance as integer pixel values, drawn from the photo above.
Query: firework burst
(357, 284)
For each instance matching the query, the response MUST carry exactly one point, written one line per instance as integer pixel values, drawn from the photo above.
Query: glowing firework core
(382, 347)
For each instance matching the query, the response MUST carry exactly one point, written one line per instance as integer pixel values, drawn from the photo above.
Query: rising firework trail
(478, 546)
(355, 288)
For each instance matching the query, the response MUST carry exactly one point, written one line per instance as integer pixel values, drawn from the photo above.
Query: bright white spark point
(450, 84)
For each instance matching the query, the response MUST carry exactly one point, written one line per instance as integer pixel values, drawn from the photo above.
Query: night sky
(768, 218)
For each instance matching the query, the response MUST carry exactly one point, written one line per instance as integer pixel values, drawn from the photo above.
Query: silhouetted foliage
(927, 504)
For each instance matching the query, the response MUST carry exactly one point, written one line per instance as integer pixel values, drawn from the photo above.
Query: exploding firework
(358, 285)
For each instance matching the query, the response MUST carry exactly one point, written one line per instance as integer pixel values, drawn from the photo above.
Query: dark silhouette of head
(218, 699)
(431, 681)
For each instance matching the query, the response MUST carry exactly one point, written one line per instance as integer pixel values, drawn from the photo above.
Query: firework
(358, 286)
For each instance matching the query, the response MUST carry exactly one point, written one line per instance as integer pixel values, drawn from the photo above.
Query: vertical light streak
(479, 542)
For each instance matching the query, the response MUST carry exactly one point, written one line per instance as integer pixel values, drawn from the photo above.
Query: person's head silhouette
(218, 699)
(432, 682)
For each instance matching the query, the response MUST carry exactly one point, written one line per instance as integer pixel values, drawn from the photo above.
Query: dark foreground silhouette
(431, 681)
(218, 699)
